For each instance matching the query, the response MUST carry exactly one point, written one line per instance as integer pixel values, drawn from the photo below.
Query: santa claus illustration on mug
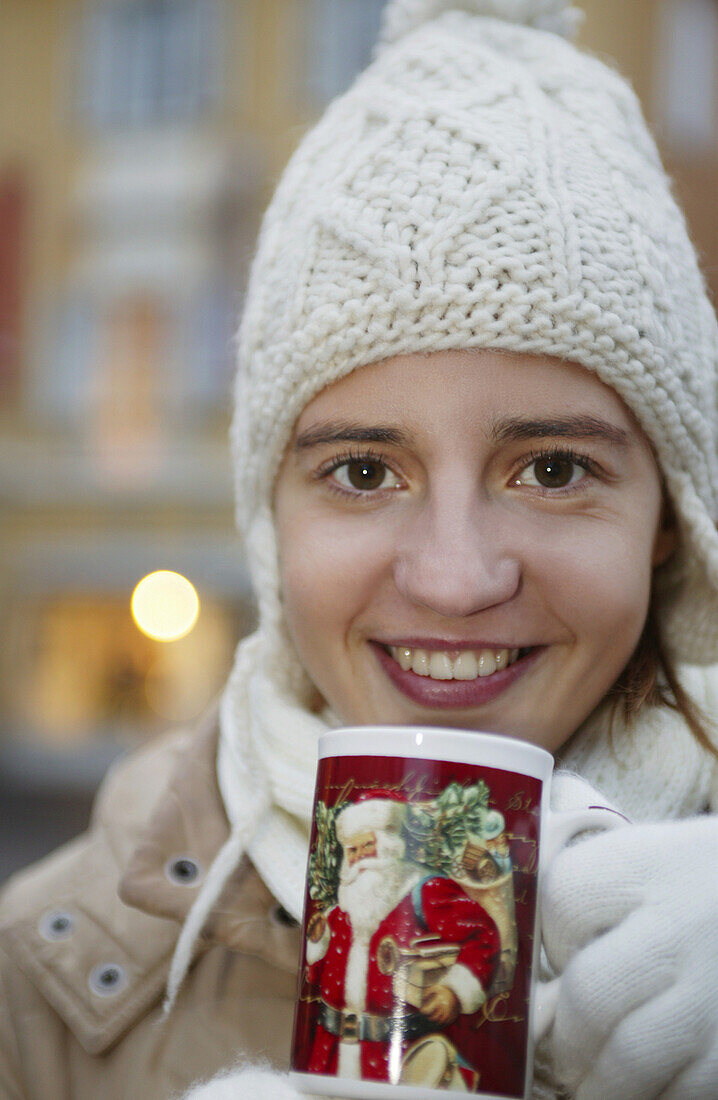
(400, 957)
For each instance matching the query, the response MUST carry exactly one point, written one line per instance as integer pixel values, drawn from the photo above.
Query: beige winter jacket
(86, 937)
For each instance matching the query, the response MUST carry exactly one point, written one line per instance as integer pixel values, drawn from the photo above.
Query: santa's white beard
(372, 887)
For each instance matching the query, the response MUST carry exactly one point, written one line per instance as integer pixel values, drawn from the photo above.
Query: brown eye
(552, 472)
(365, 474)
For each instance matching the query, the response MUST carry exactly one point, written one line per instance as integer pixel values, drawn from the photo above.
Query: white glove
(630, 922)
(571, 792)
(248, 1083)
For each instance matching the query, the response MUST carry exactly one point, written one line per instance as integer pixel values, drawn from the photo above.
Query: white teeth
(487, 663)
(404, 657)
(441, 667)
(420, 662)
(466, 665)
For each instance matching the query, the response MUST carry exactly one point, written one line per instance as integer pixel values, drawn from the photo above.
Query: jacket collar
(133, 929)
(184, 834)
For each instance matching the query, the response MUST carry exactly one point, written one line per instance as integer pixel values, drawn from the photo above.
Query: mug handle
(563, 827)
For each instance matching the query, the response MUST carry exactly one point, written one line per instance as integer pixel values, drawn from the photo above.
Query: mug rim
(476, 747)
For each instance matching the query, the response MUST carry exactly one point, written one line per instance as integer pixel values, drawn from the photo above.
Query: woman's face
(467, 539)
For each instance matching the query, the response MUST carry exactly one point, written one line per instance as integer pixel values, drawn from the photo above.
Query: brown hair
(650, 679)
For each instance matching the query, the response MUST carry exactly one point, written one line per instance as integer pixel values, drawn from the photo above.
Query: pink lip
(446, 644)
(453, 693)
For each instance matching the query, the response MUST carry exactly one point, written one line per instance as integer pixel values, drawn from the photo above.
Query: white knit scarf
(267, 759)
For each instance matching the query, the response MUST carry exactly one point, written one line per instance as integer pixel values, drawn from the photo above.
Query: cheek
(330, 571)
(605, 573)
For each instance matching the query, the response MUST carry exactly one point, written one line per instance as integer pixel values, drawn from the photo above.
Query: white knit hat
(485, 184)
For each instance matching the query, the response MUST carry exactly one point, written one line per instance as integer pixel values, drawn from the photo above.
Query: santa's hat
(373, 811)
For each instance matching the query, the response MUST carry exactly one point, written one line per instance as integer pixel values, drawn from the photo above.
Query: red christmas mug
(420, 936)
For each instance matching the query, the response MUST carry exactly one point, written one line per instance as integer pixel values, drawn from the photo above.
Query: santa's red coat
(438, 907)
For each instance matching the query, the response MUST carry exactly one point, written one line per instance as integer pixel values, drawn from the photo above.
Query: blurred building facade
(139, 143)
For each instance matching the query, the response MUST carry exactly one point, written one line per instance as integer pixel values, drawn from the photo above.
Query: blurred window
(687, 74)
(78, 670)
(149, 62)
(127, 359)
(340, 35)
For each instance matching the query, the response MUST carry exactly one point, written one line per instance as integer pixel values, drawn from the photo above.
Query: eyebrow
(508, 430)
(514, 429)
(344, 431)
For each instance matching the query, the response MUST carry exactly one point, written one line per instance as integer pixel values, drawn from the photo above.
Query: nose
(453, 560)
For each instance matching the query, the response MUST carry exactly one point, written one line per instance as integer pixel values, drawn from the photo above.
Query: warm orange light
(165, 605)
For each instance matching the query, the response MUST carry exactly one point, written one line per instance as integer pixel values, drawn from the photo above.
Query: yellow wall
(621, 32)
(627, 32)
(32, 137)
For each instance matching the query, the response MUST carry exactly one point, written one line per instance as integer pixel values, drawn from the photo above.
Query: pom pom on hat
(403, 16)
(374, 811)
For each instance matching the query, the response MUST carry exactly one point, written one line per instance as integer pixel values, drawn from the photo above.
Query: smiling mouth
(465, 664)
(455, 678)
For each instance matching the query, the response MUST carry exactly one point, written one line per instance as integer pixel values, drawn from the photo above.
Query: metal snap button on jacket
(56, 924)
(107, 979)
(182, 871)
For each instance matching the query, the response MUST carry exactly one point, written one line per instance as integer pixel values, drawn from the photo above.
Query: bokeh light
(165, 605)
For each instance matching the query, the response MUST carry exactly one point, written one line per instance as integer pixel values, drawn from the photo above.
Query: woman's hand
(630, 922)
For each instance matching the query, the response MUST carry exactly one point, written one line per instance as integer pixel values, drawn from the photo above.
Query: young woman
(475, 446)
